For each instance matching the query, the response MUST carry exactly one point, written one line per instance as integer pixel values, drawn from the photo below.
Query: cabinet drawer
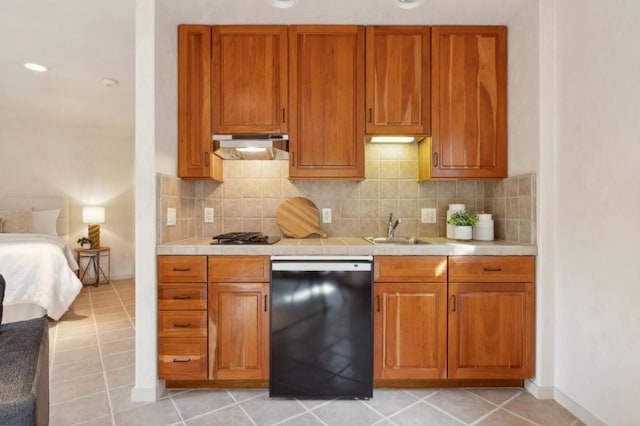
(400, 269)
(245, 269)
(182, 269)
(182, 296)
(491, 269)
(182, 358)
(182, 324)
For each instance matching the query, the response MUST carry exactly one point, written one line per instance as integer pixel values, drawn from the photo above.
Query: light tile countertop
(343, 246)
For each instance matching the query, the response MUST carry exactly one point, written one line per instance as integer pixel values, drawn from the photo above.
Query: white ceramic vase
(86, 246)
(463, 232)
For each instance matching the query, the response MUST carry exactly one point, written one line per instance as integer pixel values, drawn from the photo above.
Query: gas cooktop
(244, 238)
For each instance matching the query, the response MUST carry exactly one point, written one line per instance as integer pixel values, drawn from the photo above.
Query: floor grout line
(104, 372)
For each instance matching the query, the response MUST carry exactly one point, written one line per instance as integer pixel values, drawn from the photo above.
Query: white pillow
(45, 221)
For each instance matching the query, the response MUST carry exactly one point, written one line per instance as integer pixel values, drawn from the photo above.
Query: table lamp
(94, 216)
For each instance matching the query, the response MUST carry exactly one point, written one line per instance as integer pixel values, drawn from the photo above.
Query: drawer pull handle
(181, 269)
(265, 302)
(182, 360)
(378, 300)
(490, 269)
(181, 325)
(182, 297)
(453, 303)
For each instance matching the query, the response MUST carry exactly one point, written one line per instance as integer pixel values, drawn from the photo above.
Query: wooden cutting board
(298, 217)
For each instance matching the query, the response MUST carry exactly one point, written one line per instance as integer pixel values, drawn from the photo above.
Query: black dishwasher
(321, 323)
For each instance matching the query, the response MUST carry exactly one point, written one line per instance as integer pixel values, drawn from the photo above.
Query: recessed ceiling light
(35, 67)
(407, 4)
(109, 82)
(282, 4)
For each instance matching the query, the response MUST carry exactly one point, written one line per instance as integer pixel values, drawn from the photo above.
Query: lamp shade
(93, 214)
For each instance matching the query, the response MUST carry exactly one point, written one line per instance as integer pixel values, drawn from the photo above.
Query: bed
(35, 258)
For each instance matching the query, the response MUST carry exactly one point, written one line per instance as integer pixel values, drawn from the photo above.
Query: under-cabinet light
(392, 139)
(251, 149)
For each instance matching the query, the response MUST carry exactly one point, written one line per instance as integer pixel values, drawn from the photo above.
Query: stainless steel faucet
(391, 226)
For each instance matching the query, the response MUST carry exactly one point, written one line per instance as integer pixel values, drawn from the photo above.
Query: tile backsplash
(253, 190)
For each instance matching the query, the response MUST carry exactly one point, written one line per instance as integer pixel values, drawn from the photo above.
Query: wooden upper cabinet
(195, 159)
(250, 79)
(398, 80)
(469, 94)
(326, 101)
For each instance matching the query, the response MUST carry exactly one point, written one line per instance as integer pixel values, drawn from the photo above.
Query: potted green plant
(463, 223)
(84, 242)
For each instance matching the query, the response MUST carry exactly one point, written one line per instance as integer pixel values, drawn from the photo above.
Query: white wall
(598, 196)
(86, 165)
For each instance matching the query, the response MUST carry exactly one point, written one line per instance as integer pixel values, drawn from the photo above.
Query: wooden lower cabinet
(491, 317)
(238, 322)
(182, 317)
(410, 318)
(410, 331)
(182, 358)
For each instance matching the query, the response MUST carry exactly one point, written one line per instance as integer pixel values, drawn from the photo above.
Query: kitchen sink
(395, 240)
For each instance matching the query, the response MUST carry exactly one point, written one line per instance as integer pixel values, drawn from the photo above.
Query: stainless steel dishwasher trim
(321, 266)
(367, 258)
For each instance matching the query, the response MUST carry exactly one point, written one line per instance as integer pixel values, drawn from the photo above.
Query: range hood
(251, 147)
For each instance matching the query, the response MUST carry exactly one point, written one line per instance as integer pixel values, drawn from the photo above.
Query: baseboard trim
(576, 409)
(540, 392)
(550, 392)
(147, 394)
(121, 277)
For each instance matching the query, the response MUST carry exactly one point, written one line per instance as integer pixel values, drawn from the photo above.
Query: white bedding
(39, 269)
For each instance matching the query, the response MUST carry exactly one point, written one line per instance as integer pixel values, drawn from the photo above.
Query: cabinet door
(469, 77)
(398, 80)
(195, 159)
(250, 79)
(326, 99)
(238, 331)
(491, 330)
(410, 331)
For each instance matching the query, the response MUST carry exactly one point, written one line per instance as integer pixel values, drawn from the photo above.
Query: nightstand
(95, 265)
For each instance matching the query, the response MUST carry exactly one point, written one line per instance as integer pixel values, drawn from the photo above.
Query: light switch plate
(171, 216)
(326, 215)
(208, 215)
(428, 215)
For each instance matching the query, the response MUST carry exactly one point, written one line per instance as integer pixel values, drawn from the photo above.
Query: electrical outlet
(326, 215)
(208, 215)
(428, 215)
(171, 216)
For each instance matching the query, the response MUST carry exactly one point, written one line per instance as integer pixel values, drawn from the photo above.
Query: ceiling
(81, 42)
(84, 41)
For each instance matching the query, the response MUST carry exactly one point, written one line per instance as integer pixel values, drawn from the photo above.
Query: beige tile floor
(92, 372)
